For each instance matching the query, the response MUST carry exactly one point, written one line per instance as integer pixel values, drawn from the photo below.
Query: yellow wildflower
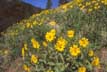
(6, 52)
(82, 69)
(26, 68)
(102, 2)
(64, 6)
(35, 43)
(96, 4)
(29, 25)
(45, 44)
(96, 61)
(90, 10)
(50, 36)
(88, 3)
(105, 2)
(70, 33)
(34, 59)
(94, 1)
(83, 42)
(53, 23)
(90, 53)
(25, 46)
(23, 52)
(46, 12)
(34, 22)
(60, 45)
(71, 6)
(50, 71)
(38, 14)
(74, 50)
(82, 7)
(79, 1)
(53, 31)
(96, 7)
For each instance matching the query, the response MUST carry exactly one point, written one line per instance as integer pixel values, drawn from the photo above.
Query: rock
(12, 11)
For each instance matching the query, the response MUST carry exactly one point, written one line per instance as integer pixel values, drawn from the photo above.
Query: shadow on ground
(14, 11)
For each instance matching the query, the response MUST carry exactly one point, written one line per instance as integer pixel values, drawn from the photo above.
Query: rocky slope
(13, 11)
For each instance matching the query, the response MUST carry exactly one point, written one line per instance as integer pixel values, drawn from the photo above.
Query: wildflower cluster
(91, 5)
(64, 45)
(53, 40)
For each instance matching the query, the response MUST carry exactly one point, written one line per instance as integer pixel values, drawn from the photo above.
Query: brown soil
(103, 57)
(15, 66)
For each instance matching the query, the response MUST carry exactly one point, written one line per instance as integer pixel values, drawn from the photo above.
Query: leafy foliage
(60, 40)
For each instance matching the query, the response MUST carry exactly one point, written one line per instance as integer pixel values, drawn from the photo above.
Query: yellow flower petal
(70, 33)
(53, 23)
(34, 59)
(74, 50)
(35, 43)
(96, 61)
(82, 69)
(60, 44)
(90, 53)
(50, 36)
(83, 42)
